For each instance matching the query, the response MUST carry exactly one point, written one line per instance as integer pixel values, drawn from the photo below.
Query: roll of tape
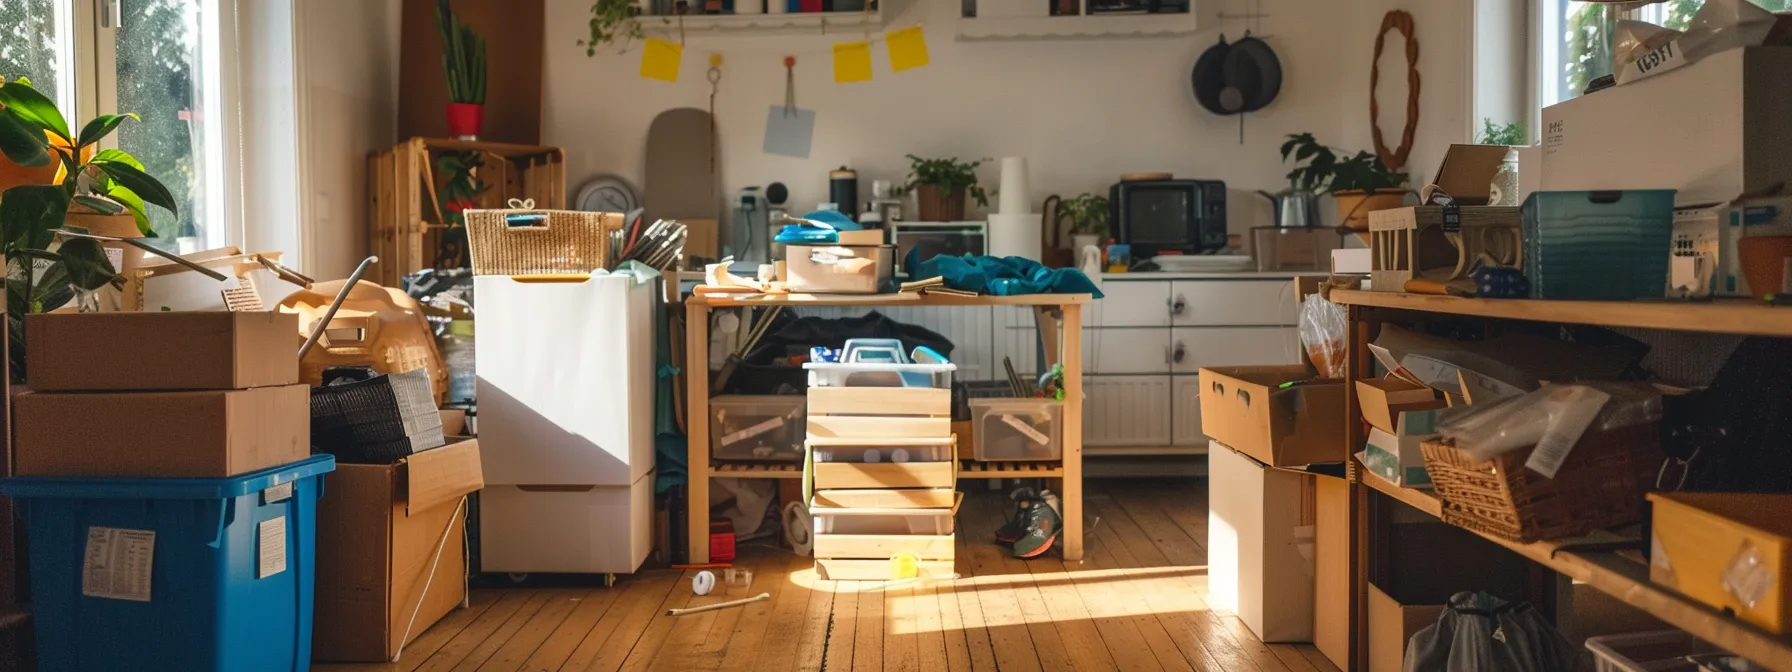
(703, 583)
(798, 528)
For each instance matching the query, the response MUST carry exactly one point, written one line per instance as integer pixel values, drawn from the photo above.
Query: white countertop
(1238, 275)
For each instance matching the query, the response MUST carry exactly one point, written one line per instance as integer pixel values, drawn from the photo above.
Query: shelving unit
(764, 24)
(1077, 27)
(1606, 561)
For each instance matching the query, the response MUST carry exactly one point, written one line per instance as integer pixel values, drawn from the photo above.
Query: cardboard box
(566, 528)
(1730, 551)
(1382, 400)
(1280, 249)
(1713, 129)
(1332, 581)
(1467, 171)
(391, 542)
(1352, 261)
(1391, 624)
(1260, 545)
(840, 269)
(1396, 458)
(870, 237)
(161, 351)
(1246, 408)
(202, 434)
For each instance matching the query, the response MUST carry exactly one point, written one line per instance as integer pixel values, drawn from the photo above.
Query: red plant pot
(465, 119)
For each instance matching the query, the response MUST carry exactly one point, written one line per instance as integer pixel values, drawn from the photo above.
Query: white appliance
(566, 374)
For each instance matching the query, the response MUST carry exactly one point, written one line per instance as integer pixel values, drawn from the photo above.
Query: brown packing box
(1332, 582)
(377, 538)
(1391, 625)
(199, 434)
(161, 351)
(1383, 400)
(1244, 407)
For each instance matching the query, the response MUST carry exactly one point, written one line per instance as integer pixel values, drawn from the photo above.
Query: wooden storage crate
(1406, 243)
(406, 225)
(1601, 484)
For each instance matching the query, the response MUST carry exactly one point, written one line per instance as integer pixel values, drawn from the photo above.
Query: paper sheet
(908, 48)
(852, 62)
(789, 131)
(660, 60)
(118, 563)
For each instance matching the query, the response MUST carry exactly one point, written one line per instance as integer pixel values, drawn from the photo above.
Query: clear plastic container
(1598, 245)
(1017, 429)
(880, 375)
(872, 451)
(457, 355)
(757, 428)
(1662, 651)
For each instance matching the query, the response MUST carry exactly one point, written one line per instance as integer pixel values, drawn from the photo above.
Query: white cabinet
(1185, 412)
(1126, 350)
(1126, 411)
(1130, 304)
(1231, 346)
(1233, 302)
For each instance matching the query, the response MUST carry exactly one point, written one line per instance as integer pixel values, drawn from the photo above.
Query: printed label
(1024, 428)
(271, 549)
(1748, 578)
(1654, 62)
(116, 257)
(118, 563)
(1555, 136)
(1580, 405)
(753, 431)
(278, 493)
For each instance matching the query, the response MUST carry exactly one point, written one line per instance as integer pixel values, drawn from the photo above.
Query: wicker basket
(1600, 485)
(526, 242)
(379, 419)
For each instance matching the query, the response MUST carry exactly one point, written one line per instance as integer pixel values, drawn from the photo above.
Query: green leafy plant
(1497, 134)
(459, 189)
(46, 262)
(1319, 168)
(1088, 215)
(611, 20)
(949, 176)
(463, 57)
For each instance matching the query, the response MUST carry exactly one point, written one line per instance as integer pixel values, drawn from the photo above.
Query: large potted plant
(1359, 183)
(940, 186)
(463, 61)
(48, 263)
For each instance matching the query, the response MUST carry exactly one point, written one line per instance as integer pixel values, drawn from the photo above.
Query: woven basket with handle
(526, 241)
(1600, 485)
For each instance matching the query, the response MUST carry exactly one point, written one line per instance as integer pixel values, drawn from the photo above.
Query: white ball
(703, 583)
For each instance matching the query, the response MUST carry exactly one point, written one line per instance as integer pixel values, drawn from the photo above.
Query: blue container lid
(61, 487)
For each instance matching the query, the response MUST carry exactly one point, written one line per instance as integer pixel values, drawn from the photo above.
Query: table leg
(1071, 355)
(696, 385)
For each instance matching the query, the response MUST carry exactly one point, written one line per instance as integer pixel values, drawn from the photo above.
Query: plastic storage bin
(880, 375)
(885, 521)
(1598, 245)
(757, 428)
(886, 450)
(1017, 429)
(1664, 651)
(173, 574)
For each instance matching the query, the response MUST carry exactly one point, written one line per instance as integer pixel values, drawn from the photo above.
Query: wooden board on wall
(514, 35)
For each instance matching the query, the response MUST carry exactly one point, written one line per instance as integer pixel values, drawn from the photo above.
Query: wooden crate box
(405, 221)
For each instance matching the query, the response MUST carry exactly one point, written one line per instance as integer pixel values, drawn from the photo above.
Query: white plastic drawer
(1126, 350)
(1018, 429)
(1233, 346)
(1233, 303)
(1130, 304)
(757, 428)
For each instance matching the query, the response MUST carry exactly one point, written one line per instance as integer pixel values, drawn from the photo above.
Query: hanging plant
(611, 20)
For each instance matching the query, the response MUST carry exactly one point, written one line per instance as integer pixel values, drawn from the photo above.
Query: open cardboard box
(192, 434)
(162, 351)
(1282, 416)
(391, 544)
(1383, 400)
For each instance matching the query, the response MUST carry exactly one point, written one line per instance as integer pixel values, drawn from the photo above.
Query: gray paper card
(788, 131)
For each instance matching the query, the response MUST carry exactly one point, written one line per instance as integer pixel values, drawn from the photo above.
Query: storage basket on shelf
(1601, 484)
(1017, 429)
(374, 419)
(756, 428)
(525, 241)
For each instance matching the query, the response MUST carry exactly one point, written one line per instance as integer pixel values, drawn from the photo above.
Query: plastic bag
(1322, 329)
(1552, 418)
(1718, 26)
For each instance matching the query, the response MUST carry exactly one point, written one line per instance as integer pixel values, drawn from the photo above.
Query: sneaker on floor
(1043, 525)
(1016, 527)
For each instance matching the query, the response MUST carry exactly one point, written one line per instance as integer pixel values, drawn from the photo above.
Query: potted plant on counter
(463, 61)
(1359, 183)
(1088, 215)
(940, 186)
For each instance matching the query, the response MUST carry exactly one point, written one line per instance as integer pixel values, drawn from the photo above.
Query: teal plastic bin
(173, 574)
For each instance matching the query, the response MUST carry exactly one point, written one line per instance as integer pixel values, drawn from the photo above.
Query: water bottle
(457, 354)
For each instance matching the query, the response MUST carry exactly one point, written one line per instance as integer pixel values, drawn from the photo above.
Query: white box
(1713, 130)
(601, 529)
(1355, 261)
(1260, 545)
(566, 374)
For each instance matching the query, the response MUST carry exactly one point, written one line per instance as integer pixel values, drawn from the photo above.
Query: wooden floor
(1136, 603)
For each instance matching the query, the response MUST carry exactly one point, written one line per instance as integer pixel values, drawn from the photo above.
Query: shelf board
(1077, 27)
(1627, 580)
(1725, 316)
(764, 24)
(1126, 451)
(733, 470)
(975, 469)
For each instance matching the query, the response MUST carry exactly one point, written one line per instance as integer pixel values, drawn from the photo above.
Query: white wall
(1082, 112)
(348, 51)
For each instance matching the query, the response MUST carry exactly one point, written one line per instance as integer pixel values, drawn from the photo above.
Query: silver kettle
(1295, 208)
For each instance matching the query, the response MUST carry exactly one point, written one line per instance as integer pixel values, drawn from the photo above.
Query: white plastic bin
(1017, 429)
(886, 521)
(880, 375)
(1661, 651)
(871, 451)
(757, 428)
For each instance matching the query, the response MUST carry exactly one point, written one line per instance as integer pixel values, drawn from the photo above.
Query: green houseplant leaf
(117, 156)
(104, 206)
(21, 142)
(139, 182)
(28, 215)
(134, 204)
(102, 126)
(24, 101)
(88, 267)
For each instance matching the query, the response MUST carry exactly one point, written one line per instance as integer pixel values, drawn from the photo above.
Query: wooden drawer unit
(913, 498)
(883, 475)
(871, 427)
(880, 401)
(882, 546)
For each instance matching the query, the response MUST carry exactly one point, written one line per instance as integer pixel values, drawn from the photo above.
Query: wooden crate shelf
(405, 222)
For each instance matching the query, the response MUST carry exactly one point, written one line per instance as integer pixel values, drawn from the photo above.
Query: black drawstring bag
(1483, 633)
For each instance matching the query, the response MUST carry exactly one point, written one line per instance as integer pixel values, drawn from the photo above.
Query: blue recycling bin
(171, 573)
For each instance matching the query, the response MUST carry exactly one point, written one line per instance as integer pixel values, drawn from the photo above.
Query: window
(1575, 39)
(157, 58)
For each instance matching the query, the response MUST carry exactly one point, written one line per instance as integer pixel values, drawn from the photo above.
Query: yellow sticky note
(852, 62)
(908, 48)
(660, 60)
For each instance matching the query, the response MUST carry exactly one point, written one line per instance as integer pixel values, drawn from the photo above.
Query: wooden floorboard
(1136, 602)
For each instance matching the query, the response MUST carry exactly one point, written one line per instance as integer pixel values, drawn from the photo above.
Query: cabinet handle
(1180, 354)
(1178, 305)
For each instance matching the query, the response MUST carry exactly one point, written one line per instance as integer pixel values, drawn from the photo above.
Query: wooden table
(1064, 346)
(1614, 573)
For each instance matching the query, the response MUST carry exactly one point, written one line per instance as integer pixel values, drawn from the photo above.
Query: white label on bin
(118, 563)
(278, 493)
(1024, 428)
(271, 555)
(753, 431)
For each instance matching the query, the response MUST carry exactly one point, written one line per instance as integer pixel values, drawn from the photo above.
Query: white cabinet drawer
(1233, 302)
(1185, 412)
(1233, 346)
(1126, 411)
(1129, 350)
(1130, 304)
